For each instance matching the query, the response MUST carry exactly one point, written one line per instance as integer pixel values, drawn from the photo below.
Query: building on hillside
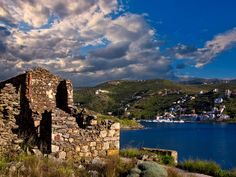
(228, 93)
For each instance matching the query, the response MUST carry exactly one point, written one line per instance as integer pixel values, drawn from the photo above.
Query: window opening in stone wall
(46, 132)
(62, 96)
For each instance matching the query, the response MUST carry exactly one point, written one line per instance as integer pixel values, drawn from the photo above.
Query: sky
(93, 41)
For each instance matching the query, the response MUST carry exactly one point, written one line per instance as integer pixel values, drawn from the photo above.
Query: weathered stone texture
(67, 135)
(47, 91)
(39, 105)
(9, 110)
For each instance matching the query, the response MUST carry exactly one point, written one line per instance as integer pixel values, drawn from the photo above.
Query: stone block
(115, 126)
(111, 138)
(106, 146)
(81, 154)
(71, 140)
(99, 146)
(117, 144)
(56, 137)
(93, 122)
(95, 153)
(66, 136)
(55, 148)
(87, 154)
(111, 133)
(77, 148)
(69, 155)
(93, 143)
(103, 133)
(62, 155)
(84, 149)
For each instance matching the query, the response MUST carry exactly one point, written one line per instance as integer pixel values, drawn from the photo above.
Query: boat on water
(163, 120)
(170, 119)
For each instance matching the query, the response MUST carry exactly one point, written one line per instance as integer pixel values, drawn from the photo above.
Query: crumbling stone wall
(9, 110)
(38, 105)
(47, 91)
(70, 141)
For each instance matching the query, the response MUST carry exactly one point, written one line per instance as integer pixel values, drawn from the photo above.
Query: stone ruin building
(37, 112)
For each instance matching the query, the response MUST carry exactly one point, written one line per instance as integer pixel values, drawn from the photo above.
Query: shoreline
(217, 122)
(138, 127)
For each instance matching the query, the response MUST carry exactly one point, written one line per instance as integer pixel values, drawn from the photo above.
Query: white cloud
(211, 49)
(84, 42)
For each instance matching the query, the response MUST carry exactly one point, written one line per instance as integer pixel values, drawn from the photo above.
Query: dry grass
(173, 172)
(33, 166)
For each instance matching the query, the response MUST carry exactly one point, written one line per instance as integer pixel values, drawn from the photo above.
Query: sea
(203, 141)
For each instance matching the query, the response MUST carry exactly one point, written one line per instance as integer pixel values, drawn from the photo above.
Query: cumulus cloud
(84, 40)
(211, 49)
(89, 41)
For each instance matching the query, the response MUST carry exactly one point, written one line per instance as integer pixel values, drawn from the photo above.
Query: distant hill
(147, 98)
(201, 81)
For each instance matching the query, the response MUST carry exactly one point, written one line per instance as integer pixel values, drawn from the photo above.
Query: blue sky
(93, 41)
(193, 22)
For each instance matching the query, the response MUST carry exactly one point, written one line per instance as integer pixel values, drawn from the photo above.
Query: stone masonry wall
(9, 110)
(44, 90)
(38, 105)
(70, 141)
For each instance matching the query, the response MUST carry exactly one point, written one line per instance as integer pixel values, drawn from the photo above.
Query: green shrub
(131, 152)
(3, 164)
(204, 167)
(167, 160)
(152, 169)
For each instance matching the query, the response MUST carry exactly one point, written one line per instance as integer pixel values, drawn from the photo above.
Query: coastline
(207, 121)
(188, 139)
(136, 127)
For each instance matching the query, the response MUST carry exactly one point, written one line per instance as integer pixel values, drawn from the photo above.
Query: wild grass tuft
(139, 153)
(205, 167)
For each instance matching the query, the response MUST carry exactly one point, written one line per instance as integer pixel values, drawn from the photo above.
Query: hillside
(146, 99)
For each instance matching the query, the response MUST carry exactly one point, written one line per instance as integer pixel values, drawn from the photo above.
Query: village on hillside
(183, 109)
(202, 106)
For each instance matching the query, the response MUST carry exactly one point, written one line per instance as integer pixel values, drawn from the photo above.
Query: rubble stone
(37, 108)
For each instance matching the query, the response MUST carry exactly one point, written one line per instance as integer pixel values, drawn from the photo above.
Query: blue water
(208, 141)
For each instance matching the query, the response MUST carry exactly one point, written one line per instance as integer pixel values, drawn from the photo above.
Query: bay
(205, 141)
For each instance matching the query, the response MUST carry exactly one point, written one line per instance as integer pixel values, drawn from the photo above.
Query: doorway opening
(46, 132)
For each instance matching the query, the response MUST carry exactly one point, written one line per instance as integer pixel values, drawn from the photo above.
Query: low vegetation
(34, 166)
(147, 155)
(152, 169)
(172, 172)
(205, 167)
(124, 122)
